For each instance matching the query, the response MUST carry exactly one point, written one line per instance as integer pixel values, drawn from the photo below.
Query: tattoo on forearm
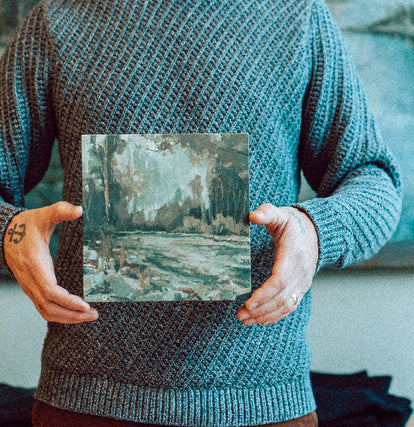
(17, 233)
(298, 220)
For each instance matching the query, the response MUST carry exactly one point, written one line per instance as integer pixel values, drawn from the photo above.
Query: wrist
(309, 231)
(7, 214)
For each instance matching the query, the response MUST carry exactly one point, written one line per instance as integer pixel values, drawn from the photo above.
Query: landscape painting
(164, 217)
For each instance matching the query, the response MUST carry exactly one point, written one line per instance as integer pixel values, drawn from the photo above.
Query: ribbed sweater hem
(210, 407)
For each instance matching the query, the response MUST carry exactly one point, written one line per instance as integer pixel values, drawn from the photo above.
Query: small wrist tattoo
(299, 221)
(17, 233)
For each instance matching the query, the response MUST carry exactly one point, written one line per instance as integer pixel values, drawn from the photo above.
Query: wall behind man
(364, 320)
(361, 319)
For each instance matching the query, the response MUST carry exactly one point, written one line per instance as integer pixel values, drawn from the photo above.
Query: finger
(55, 313)
(269, 318)
(269, 306)
(47, 290)
(63, 211)
(63, 298)
(74, 310)
(267, 214)
(270, 288)
(44, 296)
(270, 312)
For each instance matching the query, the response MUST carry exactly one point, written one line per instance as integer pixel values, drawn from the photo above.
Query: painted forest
(165, 216)
(125, 190)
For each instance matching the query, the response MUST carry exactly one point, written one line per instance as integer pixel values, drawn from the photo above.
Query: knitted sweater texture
(275, 69)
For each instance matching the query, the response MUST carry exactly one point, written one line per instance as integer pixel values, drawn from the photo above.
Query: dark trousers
(44, 415)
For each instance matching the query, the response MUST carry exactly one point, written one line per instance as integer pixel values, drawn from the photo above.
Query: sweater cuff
(332, 245)
(7, 212)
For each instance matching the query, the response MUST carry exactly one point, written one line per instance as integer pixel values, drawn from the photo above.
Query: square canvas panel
(165, 217)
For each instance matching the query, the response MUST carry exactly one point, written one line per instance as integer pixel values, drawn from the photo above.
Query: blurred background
(362, 317)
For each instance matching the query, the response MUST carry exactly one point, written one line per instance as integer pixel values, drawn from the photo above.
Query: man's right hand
(28, 257)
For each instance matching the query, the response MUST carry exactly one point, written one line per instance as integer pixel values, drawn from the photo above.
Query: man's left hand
(296, 257)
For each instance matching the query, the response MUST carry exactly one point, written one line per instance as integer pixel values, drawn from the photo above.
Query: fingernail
(249, 321)
(244, 316)
(259, 214)
(253, 305)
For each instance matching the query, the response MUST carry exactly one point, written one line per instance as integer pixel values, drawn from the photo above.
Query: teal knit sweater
(276, 69)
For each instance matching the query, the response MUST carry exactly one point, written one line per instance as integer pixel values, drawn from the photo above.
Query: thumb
(268, 215)
(63, 211)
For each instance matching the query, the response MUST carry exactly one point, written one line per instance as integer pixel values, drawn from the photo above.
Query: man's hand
(296, 257)
(26, 249)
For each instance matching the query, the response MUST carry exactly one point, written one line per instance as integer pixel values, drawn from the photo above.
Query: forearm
(27, 128)
(356, 220)
(343, 155)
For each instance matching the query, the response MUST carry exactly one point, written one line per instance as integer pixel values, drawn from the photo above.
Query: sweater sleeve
(26, 117)
(343, 157)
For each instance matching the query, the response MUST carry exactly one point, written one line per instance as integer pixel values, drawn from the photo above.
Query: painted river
(159, 266)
